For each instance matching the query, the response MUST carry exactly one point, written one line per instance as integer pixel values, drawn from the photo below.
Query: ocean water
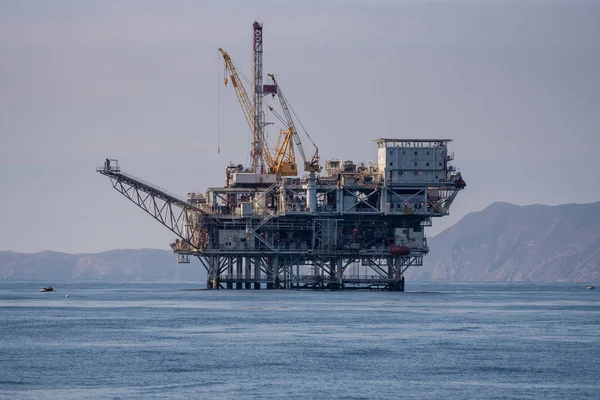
(435, 341)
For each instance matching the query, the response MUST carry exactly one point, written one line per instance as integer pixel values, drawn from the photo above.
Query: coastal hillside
(506, 242)
(114, 265)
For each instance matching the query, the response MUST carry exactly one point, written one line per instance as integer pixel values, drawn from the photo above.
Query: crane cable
(297, 119)
(250, 84)
(244, 79)
(266, 135)
(279, 117)
(218, 102)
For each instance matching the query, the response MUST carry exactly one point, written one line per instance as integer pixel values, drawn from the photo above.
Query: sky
(515, 84)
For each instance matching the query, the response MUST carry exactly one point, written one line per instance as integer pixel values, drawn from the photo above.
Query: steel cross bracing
(361, 197)
(179, 216)
(442, 203)
(274, 266)
(277, 272)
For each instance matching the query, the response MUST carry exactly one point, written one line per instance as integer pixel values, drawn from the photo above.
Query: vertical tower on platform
(258, 162)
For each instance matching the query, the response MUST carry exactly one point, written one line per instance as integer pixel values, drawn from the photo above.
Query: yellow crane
(247, 106)
(284, 161)
(311, 165)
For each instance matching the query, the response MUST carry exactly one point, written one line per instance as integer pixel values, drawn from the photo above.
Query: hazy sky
(516, 84)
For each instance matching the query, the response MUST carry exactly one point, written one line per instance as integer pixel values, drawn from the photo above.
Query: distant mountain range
(114, 265)
(504, 242)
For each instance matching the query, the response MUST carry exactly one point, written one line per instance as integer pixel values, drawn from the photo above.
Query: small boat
(47, 289)
(590, 287)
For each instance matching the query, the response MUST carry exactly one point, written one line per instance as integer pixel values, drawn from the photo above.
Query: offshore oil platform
(349, 225)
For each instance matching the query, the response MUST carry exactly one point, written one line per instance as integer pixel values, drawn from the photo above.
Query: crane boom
(284, 162)
(313, 164)
(240, 90)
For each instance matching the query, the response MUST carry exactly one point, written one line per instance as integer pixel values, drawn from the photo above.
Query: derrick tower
(258, 162)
